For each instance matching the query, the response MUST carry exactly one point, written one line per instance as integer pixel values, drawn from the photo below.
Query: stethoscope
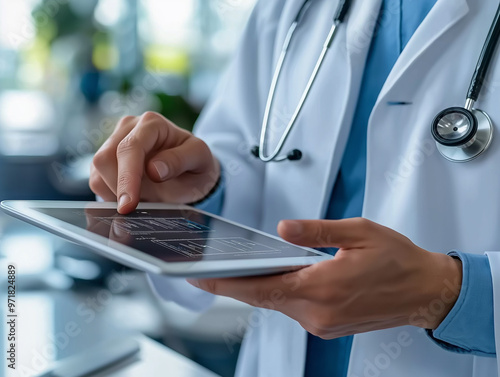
(461, 133)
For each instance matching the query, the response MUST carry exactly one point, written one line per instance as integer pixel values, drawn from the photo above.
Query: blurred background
(69, 69)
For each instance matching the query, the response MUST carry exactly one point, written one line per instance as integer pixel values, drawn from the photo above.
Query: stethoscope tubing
(485, 58)
(299, 107)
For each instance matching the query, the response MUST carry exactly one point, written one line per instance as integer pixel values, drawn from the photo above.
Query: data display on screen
(175, 235)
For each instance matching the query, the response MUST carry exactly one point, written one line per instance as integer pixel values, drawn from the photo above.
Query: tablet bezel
(26, 211)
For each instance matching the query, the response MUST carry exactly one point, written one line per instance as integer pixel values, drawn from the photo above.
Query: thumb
(348, 233)
(192, 156)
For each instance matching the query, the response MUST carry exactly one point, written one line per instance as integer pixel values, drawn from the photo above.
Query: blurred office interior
(69, 69)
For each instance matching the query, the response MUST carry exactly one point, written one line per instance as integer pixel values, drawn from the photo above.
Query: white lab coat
(410, 188)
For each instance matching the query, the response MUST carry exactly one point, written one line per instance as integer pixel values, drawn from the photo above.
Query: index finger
(148, 135)
(104, 160)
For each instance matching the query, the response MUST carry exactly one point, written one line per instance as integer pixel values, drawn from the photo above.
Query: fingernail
(293, 228)
(124, 200)
(161, 168)
(194, 282)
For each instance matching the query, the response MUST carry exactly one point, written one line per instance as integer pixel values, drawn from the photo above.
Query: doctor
(366, 149)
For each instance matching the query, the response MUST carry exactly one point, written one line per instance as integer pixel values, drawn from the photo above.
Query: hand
(148, 158)
(378, 279)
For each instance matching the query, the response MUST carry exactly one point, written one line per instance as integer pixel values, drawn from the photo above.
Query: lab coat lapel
(442, 17)
(360, 25)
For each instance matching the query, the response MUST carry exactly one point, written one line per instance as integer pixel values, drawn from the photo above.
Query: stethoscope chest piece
(461, 134)
(464, 133)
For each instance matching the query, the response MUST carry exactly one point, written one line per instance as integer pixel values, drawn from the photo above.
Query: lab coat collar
(440, 19)
(361, 24)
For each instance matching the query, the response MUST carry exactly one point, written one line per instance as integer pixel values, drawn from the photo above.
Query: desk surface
(156, 360)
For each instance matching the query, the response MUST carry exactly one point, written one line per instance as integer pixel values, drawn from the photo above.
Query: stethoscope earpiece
(294, 155)
(255, 151)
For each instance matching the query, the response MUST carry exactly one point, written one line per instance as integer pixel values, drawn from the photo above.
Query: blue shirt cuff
(215, 201)
(469, 327)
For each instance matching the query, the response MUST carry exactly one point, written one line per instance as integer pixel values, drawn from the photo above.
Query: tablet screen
(175, 235)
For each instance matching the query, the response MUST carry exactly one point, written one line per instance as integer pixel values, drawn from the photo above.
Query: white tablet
(167, 239)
